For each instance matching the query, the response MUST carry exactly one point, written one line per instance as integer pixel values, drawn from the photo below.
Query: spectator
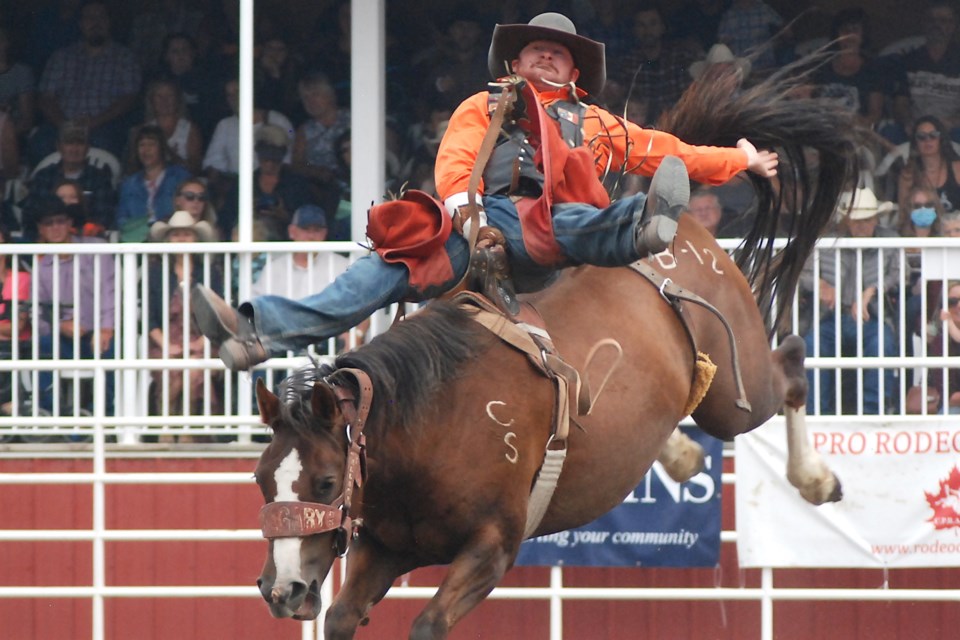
(705, 209)
(150, 28)
(221, 163)
(288, 275)
(71, 194)
(223, 152)
(74, 164)
(695, 24)
(95, 82)
(923, 221)
(950, 224)
(749, 27)
(330, 51)
(204, 100)
(658, 69)
(192, 197)
(855, 300)
(18, 94)
(933, 163)
(448, 70)
(720, 60)
(9, 149)
(928, 78)
(169, 282)
(950, 317)
(12, 287)
(341, 229)
(55, 25)
(146, 195)
(275, 76)
(851, 78)
(65, 318)
(314, 145)
(277, 190)
(166, 109)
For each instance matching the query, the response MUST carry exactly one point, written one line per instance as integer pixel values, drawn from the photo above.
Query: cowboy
(540, 187)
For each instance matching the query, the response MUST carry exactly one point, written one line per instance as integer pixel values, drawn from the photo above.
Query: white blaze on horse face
(286, 551)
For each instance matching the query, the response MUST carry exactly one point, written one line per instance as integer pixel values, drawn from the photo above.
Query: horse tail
(816, 144)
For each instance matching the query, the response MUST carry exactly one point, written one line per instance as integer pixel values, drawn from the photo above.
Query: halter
(297, 519)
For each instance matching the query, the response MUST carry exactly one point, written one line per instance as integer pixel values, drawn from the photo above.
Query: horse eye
(322, 486)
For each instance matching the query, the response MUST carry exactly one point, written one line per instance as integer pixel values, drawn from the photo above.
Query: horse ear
(323, 401)
(268, 403)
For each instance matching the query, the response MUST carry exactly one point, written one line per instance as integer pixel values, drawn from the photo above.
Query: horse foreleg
(681, 457)
(806, 470)
(371, 571)
(473, 574)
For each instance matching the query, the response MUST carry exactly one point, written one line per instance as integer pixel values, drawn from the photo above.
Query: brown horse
(421, 447)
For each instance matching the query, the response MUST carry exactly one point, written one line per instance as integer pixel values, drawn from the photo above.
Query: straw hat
(182, 220)
(720, 54)
(588, 55)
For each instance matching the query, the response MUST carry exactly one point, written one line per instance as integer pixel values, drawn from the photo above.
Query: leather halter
(297, 519)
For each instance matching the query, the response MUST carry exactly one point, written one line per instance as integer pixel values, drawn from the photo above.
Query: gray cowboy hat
(588, 55)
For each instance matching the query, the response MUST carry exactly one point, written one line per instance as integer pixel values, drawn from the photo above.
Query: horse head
(307, 475)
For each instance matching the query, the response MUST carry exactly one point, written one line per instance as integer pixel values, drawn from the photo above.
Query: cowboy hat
(862, 204)
(720, 54)
(182, 220)
(588, 55)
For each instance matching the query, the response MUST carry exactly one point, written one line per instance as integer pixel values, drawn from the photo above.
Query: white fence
(129, 422)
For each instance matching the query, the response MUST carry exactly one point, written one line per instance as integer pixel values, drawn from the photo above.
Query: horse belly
(641, 404)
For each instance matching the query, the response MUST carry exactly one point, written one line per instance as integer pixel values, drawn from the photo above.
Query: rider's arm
(459, 149)
(645, 148)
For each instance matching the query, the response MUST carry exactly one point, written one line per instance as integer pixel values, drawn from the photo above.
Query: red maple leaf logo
(946, 503)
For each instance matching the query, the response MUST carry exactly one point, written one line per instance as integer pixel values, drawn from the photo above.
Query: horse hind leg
(472, 575)
(806, 470)
(681, 457)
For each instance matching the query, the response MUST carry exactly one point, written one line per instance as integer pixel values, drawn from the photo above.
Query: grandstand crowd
(114, 118)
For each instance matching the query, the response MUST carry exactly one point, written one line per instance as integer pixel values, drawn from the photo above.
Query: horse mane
(295, 392)
(409, 363)
(816, 144)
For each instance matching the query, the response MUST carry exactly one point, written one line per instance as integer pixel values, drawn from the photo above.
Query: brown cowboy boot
(667, 198)
(228, 329)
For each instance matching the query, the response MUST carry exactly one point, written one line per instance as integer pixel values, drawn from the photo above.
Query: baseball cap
(309, 215)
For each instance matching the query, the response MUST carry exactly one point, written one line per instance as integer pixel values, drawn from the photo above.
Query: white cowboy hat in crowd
(182, 220)
(864, 205)
(720, 54)
(588, 55)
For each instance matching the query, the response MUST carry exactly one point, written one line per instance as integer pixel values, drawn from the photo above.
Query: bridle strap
(298, 519)
(355, 412)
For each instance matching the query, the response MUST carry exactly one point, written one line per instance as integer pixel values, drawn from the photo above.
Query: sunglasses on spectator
(952, 302)
(929, 135)
(925, 203)
(190, 196)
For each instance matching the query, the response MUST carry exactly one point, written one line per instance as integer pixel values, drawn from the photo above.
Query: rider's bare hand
(761, 162)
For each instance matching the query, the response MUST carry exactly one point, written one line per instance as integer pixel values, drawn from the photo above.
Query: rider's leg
(269, 325)
(628, 230)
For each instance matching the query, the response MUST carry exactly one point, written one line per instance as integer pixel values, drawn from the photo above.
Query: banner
(660, 524)
(900, 507)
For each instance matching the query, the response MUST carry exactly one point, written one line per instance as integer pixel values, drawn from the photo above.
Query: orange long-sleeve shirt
(623, 144)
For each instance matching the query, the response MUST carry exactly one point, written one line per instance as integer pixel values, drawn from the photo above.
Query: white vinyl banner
(900, 507)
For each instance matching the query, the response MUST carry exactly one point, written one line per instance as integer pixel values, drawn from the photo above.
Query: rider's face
(544, 60)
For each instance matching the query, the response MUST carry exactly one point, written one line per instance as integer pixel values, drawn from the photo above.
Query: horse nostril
(297, 592)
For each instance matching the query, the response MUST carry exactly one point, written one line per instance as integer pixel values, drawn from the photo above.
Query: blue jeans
(45, 378)
(871, 348)
(586, 235)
